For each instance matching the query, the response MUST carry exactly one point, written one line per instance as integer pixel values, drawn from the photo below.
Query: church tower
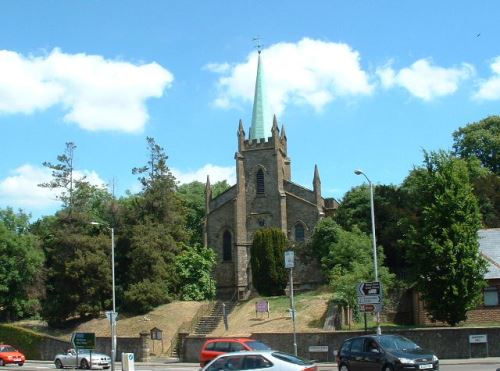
(264, 196)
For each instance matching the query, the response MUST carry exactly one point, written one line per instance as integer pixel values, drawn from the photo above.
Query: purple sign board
(262, 307)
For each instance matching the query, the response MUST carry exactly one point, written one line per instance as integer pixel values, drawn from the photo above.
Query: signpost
(83, 340)
(289, 264)
(369, 298)
(478, 339)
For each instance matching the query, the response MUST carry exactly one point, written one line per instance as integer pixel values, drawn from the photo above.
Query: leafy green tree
(193, 197)
(153, 235)
(268, 261)
(347, 259)
(487, 191)
(390, 208)
(194, 268)
(78, 268)
(442, 241)
(482, 140)
(63, 176)
(22, 260)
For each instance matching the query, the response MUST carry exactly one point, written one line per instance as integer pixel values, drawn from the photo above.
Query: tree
(78, 269)
(268, 261)
(347, 259)
(63, 176)
(22, 260)
(442, 242)
(153, 235)
(193, 197)
(390, 208)
(194, 268)
(482, 140)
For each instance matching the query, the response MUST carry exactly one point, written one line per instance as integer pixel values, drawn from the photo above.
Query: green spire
(261, 119)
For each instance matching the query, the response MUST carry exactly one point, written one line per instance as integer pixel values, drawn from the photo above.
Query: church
(264, 196)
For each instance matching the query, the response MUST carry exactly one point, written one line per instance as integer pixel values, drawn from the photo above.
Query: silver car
(270, 360)
(82, 359)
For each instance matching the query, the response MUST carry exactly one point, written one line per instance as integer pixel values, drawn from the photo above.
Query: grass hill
(311, 309)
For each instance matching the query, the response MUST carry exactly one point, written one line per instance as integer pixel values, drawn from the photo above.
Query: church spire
(261, 119)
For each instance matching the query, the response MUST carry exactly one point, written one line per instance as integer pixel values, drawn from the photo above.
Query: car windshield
(292, 359)
(7, 348)
(395, 342)
(257, 345)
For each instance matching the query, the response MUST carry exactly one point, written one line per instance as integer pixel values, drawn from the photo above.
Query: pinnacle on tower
(261, 119)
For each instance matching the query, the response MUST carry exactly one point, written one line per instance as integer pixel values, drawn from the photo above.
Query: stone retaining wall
(447, 343)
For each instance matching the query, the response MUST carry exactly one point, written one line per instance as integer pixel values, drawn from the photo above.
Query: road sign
(367, 307)
(370, 296)
(289, 256)
(369, 299)
(369, 288)
(111, 316)
(83, 340)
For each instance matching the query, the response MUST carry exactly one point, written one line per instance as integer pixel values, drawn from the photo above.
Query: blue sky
(357, 84)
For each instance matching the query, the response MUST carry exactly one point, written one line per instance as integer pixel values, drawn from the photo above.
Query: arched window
(299, 232)
(227, 246)
(260, 182)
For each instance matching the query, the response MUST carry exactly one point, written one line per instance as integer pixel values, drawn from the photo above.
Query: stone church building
(264, 196)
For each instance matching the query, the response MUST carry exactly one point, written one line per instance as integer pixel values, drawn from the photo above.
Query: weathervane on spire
(258, 44)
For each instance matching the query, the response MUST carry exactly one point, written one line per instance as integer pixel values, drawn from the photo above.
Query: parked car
(9, 354)
(270, 360)
(384, 352)
(215, 347)
(82, 359)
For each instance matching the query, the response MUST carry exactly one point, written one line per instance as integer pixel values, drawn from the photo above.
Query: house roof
(489, 244)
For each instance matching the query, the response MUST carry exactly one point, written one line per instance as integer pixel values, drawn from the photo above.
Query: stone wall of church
(220, 220)
(307, 272)
(263, 211)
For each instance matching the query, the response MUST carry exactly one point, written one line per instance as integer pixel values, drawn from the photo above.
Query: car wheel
(2, 362)
(343, 367)
(58, 363)
(84, 364)
(20, 364)
(388, 368)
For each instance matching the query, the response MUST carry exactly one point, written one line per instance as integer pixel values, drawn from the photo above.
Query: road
(41, 366)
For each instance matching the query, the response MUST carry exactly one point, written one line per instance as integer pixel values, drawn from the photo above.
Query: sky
(361, 85)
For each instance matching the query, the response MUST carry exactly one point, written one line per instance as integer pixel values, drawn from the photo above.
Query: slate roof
(489, 244)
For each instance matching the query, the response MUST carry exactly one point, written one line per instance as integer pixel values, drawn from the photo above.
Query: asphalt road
(41, 366)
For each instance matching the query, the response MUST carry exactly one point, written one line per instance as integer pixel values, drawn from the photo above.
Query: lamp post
(112, 318)
(374, 241)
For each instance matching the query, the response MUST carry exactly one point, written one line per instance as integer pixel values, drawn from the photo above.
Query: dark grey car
(384, 353)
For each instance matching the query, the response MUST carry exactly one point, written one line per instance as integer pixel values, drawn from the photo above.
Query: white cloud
(217, 67)
(98, 94)
(216, 173)
(21, 190)
(424, 80)
(490, 89)
(310, 72)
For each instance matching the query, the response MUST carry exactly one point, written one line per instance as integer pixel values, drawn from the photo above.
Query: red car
(8, 354)
(215, 347)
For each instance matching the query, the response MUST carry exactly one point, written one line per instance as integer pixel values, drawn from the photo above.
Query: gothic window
(226, 246)
(260, 182)
(299, 232)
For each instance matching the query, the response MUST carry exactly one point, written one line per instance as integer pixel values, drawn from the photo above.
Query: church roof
(261, 118)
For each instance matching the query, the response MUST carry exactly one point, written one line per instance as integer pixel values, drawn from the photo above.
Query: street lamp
(112, 315)
(374, 241)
